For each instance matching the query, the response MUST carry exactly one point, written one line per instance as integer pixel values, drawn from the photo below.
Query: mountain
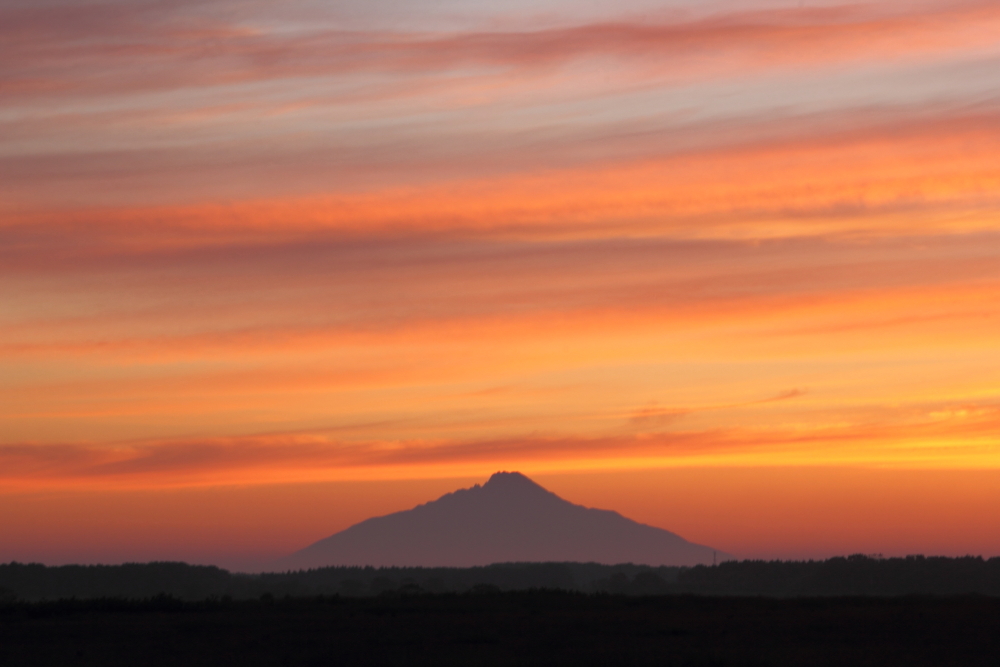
(508, 519)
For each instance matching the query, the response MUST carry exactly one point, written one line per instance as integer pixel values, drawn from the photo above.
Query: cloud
(278, 130)
(115, 47)
(653, 418)
(889, 175)
(656, 418)
(784, 396)
(312, 457)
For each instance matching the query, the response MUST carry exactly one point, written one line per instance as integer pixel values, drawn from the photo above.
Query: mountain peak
(506, 486)
(509, 479)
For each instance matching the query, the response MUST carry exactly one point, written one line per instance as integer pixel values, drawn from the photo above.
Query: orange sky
(330, 262)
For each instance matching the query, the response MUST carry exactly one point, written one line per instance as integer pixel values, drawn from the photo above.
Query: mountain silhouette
(508, 519)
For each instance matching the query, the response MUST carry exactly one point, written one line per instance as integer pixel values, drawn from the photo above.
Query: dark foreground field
(510, 628)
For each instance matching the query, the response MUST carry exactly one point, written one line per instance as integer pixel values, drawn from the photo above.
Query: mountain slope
(508, 519)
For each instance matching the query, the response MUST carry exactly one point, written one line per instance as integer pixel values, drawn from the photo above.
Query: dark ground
(508, 628)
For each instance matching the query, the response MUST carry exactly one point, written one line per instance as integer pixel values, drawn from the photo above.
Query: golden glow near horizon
(248, 246)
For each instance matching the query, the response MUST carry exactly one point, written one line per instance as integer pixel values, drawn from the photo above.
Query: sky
(729, 267)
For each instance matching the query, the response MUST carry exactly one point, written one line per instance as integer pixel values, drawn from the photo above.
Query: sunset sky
(729, 267)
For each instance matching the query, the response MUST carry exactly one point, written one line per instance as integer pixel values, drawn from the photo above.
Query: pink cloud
(119, 47)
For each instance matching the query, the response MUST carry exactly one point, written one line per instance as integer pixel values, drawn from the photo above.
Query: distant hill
(508, 519)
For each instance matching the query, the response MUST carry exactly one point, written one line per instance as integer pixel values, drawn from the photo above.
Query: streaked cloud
(131, 38)
(928, 440)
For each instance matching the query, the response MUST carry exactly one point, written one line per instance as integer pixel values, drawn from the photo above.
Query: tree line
(856, 575)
